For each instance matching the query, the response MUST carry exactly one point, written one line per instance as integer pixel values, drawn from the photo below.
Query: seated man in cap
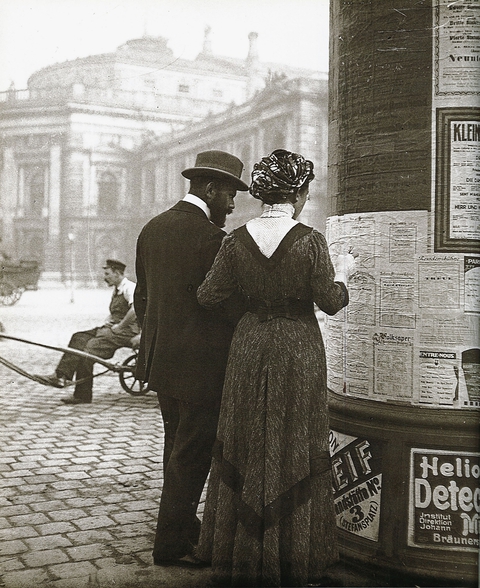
(117, 331)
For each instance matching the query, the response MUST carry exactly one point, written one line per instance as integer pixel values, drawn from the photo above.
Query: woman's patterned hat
(281, 173)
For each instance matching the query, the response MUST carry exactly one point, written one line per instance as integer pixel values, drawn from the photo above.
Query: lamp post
(71, 239)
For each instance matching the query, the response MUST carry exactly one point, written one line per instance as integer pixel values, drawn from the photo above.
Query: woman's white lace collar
(285, 209)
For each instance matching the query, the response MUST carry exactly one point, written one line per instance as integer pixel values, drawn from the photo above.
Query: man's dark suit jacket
(183, 348)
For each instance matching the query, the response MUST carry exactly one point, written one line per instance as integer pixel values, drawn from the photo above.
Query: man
(184, 348)
(117, 331)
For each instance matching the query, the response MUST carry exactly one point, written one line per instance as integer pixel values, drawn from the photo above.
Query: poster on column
(370, 346)
(357, 483)
(464, 180)
(457, 183)
(471, 271)
(457, 47)
(447, 338)
(410, 331)
(444, 502)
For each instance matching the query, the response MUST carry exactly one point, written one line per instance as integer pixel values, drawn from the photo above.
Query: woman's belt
(290, 308)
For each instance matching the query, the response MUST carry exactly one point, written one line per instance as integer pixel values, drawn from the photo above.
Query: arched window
(107, 194)
(37, 193)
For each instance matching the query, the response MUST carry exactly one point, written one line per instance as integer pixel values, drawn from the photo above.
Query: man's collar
(119, 288)
(198, 202)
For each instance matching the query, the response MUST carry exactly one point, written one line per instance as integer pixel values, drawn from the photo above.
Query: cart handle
(114, 367)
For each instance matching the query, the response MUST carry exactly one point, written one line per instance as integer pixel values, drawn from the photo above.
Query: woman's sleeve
(220, 282)
(329, 296)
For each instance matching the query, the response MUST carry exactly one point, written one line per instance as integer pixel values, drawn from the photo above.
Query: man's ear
(210, 192)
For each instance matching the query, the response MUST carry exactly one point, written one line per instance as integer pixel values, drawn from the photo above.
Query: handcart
(125, 370)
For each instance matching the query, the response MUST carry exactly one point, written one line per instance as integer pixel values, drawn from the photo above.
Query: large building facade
(94, 147)
(287, 114)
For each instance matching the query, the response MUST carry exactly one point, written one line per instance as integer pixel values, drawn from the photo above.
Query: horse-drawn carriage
(15, 278)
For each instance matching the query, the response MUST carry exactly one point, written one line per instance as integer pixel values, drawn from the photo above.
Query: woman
(269, 518)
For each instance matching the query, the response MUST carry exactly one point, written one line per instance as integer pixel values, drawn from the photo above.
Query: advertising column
(403, 356)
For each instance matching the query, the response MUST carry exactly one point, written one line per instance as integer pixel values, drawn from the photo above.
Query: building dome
(101, 70)
(148, 48)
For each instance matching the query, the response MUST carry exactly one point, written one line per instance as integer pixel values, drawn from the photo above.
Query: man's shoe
(53, 380)
(73, 400)
(187, 561)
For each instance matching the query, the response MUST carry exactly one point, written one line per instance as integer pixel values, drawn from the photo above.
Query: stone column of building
(8, 198)
(259, 144)
(403, 356)
(53, 246)
(19, 206)
(91, 189)
(86, 183)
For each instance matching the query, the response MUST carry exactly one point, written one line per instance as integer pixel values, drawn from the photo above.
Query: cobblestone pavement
(80, 485)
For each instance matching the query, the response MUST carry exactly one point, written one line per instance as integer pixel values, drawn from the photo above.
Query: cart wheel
(9, 293)
(128, 381)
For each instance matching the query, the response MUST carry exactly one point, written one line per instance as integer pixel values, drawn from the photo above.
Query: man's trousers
(190, 431)
(103, 346)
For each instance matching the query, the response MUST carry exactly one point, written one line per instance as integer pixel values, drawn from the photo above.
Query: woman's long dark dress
(269, 517)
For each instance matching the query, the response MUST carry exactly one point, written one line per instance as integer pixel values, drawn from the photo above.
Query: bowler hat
(218, 164)
(115, 265)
